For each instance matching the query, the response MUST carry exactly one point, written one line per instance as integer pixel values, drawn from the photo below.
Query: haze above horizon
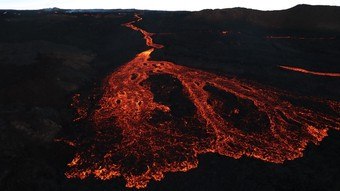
(190, 5)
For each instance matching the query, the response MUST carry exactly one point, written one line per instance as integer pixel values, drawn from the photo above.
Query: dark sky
(161, 4)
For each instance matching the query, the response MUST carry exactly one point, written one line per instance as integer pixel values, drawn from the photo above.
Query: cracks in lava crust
(156, 117)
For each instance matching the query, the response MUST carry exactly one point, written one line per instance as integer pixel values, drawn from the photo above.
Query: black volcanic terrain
(60, 117)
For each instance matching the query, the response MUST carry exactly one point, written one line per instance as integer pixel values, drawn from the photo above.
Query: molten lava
(142, 129)
(301, 70)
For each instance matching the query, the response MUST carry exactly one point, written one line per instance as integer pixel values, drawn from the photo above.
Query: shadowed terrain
(59, 72)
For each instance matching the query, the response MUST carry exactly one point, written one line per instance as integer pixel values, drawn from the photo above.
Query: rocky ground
(47, 57)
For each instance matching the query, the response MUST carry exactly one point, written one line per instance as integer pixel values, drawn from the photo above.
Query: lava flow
(155, 117)
(301, 70)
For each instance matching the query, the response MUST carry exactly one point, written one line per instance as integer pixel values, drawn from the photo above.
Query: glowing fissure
(301, 70)
(140, 139)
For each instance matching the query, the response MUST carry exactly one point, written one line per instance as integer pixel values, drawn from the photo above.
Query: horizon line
(183, 10)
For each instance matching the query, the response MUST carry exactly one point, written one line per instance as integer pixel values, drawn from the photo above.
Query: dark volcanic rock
(234, 42)
(47, 56)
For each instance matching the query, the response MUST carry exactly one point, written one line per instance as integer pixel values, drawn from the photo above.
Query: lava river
(301, 70)
(155, 117)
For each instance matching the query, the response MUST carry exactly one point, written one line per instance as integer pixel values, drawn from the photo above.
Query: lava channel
(155, 117)
(301, 70)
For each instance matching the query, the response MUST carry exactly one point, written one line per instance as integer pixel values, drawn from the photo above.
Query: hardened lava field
(154, 117)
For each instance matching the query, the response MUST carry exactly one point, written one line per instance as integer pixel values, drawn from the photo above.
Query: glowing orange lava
(301, 70)
(139, 136)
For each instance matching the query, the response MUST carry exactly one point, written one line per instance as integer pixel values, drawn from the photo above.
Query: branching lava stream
(301, 70)
(140, 135)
